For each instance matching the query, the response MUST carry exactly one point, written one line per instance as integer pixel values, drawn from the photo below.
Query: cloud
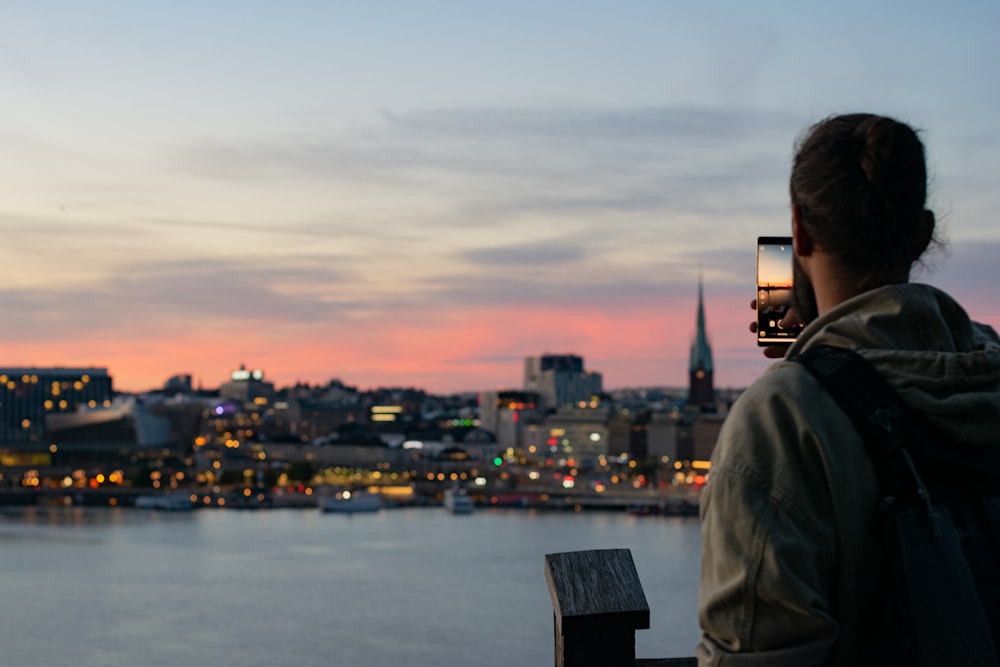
(493, 163)
(171, 296)
(528, 253)
(299, 291)
(504, 206)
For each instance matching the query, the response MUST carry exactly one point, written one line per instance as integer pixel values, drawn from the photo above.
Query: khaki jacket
(790, 536)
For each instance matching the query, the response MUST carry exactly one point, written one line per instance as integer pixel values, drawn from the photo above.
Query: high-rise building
(560, 380)
(701, 390)
(29, 395)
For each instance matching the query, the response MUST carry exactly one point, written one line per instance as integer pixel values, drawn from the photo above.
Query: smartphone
(774, 289)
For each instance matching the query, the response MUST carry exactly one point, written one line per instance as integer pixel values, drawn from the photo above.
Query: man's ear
(802, 240)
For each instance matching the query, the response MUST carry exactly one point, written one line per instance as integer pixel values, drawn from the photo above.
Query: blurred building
(578, 433)
(506, 413)
(29, 395)
(686, 438)
(628, 433)
(664, 433)
(179, 384)
(248, 388)
(560, 379)
(701, 389)
(703, 434)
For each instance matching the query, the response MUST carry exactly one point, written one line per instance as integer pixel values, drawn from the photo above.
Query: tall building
(701, 390)
(559, 379)
(29, 395)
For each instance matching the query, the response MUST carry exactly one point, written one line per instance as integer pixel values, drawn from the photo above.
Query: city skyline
(424, 195)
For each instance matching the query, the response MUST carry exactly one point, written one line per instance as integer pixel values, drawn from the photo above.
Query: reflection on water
(57, 516)
(412, 586)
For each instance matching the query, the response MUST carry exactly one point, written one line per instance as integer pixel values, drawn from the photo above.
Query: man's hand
(777, 350)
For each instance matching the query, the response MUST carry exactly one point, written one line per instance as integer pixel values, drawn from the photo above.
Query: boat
(348, 501)
(457, 501)
(166, 502)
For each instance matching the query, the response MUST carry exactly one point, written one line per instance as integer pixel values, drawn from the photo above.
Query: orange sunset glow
(442, 352)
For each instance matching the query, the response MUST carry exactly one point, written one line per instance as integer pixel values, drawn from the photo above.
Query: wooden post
(598, 605)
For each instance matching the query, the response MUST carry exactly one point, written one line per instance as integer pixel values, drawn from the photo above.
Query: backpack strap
(881, 419)
(931, 576)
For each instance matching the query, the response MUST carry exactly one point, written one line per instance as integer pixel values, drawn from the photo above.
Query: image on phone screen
(774, 289)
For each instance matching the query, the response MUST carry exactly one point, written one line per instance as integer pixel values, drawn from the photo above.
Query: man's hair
(860, 182)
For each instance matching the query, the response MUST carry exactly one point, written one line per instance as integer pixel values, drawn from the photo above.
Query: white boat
(166, 502)
(457, 501)
(350, 501)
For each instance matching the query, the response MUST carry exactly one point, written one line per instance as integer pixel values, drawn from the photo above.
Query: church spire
(701, 351)
(701, 392)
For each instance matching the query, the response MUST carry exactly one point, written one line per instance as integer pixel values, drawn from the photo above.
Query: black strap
(878, 414)
(860, 390)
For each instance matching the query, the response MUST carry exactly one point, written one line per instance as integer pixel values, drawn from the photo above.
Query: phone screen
(774, 289)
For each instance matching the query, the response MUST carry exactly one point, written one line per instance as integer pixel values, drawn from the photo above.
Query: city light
(223, 462)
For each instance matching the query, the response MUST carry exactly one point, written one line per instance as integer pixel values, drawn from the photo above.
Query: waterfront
(417, 586)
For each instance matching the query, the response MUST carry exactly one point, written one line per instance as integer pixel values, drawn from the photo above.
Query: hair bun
(863, 180)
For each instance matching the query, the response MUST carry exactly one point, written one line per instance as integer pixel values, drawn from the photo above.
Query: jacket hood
(941, 363)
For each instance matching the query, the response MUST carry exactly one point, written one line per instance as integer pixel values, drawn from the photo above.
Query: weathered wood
(596, 590)
(598, 604)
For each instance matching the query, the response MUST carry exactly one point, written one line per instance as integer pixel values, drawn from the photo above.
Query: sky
(424, 193)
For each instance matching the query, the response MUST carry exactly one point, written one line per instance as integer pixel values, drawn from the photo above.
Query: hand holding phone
(774, 292)
(775, 350)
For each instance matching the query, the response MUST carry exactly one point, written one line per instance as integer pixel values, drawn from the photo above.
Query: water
(127, 588)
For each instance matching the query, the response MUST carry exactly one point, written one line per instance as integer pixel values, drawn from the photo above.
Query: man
(792, 564)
